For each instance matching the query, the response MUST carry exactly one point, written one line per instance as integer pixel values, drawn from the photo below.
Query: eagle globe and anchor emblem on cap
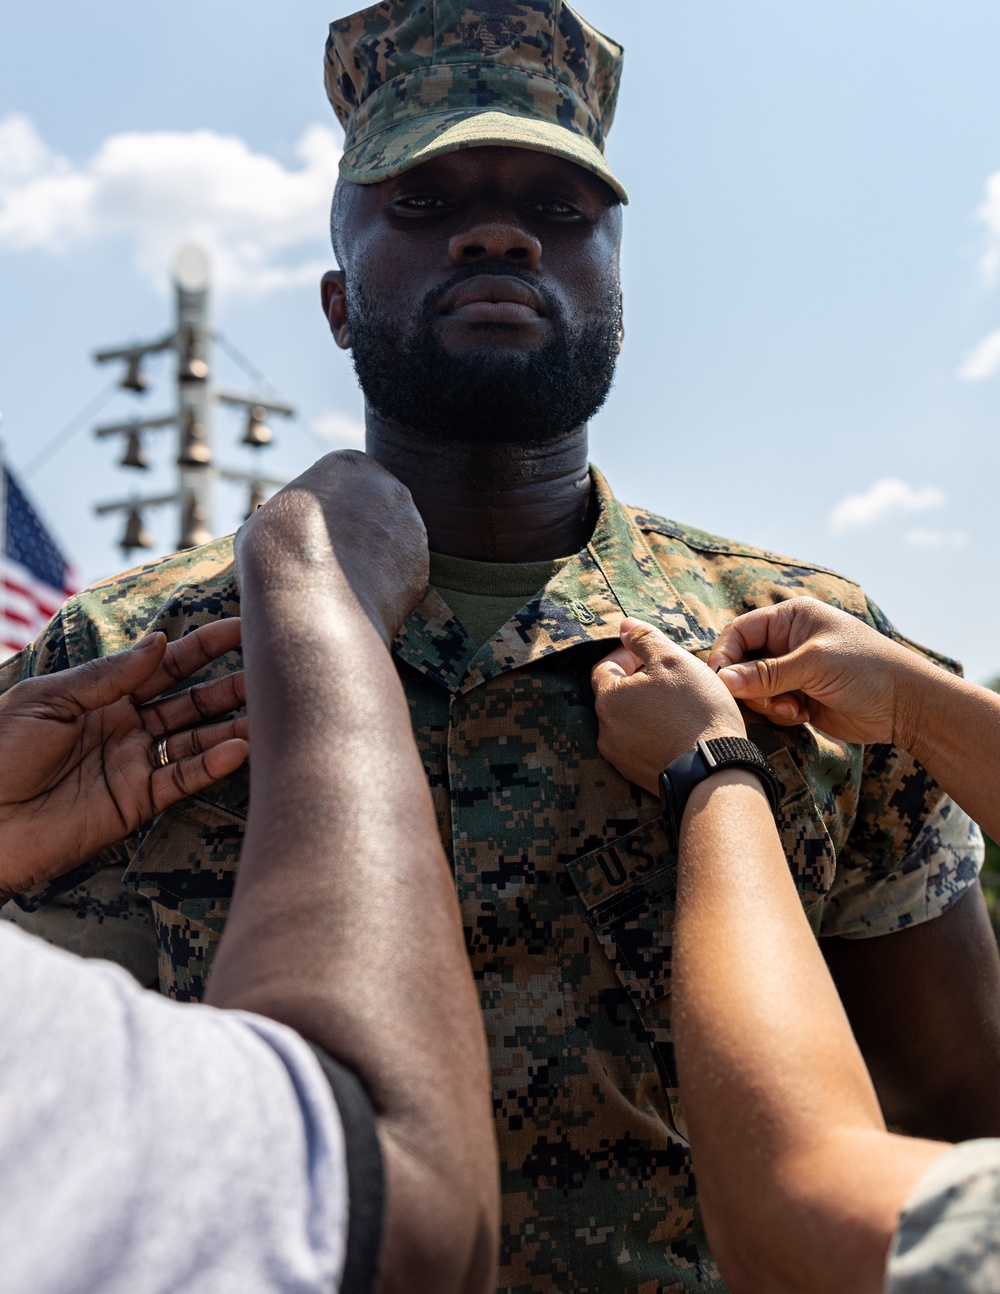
(499, 31)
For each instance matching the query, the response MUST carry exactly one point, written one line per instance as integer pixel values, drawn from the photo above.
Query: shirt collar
(615, 576)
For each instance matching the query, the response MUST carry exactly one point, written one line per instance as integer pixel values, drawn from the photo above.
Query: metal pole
(194, 399)
(196, 471)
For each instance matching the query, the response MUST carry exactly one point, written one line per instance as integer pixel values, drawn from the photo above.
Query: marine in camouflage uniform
(562, 867)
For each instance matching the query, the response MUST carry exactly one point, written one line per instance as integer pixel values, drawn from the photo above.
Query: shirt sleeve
(99, 917)
(948, 1241)
(912, 853)
(365, 1177)
(172, 1146)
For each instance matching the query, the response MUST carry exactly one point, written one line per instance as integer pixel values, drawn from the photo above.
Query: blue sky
(812, 357)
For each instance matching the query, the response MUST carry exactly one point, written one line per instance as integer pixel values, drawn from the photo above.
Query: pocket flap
(628, 886)
(628, 890)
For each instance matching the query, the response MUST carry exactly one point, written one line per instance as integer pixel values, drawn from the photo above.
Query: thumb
(645, 641)
(618, 664)
(97, 683)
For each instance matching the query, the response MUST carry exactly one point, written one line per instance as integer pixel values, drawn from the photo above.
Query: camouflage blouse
(562, 868)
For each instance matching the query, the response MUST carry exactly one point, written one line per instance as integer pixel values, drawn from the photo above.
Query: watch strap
(705, 758)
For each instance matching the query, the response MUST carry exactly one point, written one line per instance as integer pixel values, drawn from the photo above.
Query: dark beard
(491, 396)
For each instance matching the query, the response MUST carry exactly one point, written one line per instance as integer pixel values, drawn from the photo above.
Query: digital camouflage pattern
(562, 867)
(948, 1238)
(412, 79)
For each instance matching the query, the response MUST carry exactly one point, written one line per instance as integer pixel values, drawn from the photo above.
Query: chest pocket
(629, 891)
(186, 866)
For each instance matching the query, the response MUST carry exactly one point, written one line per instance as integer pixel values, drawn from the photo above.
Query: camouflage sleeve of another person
(911, 852)
(948, 1238)
(88, 911)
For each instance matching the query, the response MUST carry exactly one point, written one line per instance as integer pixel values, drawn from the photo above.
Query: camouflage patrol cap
(413, 79)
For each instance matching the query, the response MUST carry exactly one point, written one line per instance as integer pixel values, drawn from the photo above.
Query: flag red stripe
(17, 618)
(48, 608)
(28, 612)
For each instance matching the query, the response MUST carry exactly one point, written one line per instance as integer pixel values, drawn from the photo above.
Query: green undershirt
(484, 595)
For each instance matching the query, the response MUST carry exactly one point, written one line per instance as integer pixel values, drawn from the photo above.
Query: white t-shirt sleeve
(147, 1145)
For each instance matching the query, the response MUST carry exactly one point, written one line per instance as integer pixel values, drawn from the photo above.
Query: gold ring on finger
(161, 758)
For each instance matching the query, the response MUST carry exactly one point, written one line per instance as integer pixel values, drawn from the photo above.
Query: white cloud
(989, 214)
(263, 225)
(889, 497)
(22, 152)
(983, 360)
(937, 538)
(341, 429)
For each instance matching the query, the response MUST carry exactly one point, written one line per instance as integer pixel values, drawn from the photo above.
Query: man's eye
(553, 207)
(421, 202)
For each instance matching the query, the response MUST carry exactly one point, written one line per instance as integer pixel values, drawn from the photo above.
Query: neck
(492, 503)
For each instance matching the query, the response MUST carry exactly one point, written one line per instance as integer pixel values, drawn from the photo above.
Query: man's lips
(493, 298)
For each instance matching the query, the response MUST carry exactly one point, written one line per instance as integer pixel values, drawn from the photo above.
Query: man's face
(482, 295)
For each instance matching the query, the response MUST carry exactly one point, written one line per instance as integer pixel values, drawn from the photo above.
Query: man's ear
(333, 293)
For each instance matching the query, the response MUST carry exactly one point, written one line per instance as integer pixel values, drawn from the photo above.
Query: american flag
(35, 577)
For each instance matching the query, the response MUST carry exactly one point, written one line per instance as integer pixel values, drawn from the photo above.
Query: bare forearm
(799, 1181)
(344, 921)
(780, 1108)
(344, 805)
(953, 728)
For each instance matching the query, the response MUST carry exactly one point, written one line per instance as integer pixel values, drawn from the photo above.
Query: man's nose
(495, 242)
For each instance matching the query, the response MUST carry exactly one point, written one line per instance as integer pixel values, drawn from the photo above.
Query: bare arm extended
(924, 1002)
(800, 1183)
(344, 921)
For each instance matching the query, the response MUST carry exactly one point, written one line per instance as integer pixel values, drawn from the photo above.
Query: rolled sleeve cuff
(947, 1241)
(942, 864)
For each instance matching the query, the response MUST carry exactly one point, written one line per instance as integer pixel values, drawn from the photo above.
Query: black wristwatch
(683, 775)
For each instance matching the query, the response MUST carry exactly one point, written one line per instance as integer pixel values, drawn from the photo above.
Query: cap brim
(408, 144)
